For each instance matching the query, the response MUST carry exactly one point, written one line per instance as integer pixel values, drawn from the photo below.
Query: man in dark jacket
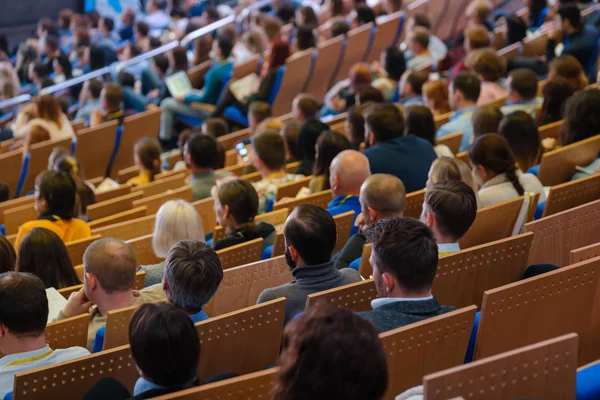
(310, 236)
(404, 260)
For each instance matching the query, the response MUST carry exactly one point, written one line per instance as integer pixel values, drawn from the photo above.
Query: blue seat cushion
(235, 115)
(588, 383)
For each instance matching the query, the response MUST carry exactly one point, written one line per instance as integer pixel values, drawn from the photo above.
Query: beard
(288, 259)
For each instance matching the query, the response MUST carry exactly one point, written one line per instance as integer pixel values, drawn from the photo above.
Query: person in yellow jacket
(55, 195)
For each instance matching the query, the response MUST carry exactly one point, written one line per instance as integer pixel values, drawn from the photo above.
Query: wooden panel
(196, 74)
(414, 204)
(572, 194)
(291, 189)
(162, 185)
(343, 226)
(585, 253)
(95, 146)
(153, 203)
(534, 46)
(544, 370)
(555, 236)
(442, 119)
(274, 218)
(425, 347)
(241, 286)
(386, 31)
(297, 69)
(117, 327)
(250, 66)
(320, 199)
(128, 229)
(10, 165)
(241, 254)
(464, 156)
(229, 140)
(241, 342)
(138, 283)
(21, 201)
(124, 216)
(543, 307)
(510, 52)
(68, 332)
(550, 130)
(111, 194)
(38, 161)
(144, 251)
(463, 277)
(278, 245)
(113, 206)
(126, 174)
(15, 217)
(355, 296)
(357, 44)
(558, 166)
(327, 57)
(77, 248)
(205, 209)
(453, 141)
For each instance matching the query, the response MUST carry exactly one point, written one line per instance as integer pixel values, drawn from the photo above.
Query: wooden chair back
(320, 199)
(144, 251)
(463, 277)
(250, 66)
(414, 204)
(585, 253)
(196, 74)
(205, 209)
(386, 31)
(365, 268)
(76, 249)
(550, 130)
(126, 174)
(343, 224)
(111, 194)
(15, 203)
(241, 254)
(241, 342)
(15, 217)
(10, 165)
(161, 186)
(442, 119)
(278, 245)
(572, 194)
(555, 236)
(544, 370)
(153, 203)
(95, 146)
(448, 20)
(355, 296)
(291, 189)
(424, 347)
(558, 166)
(229, 140)
(519, 312)
(510, 52)
(68, 332)
(70, 380)
(38, 161)
(274, 218)
(113, 206)
(252, 177)
(327, 58)
(124, 216)
(297, 69)
(453, 141)
(464, 157)
(534, 46)
(138, 283)
(117, 327)
(130, 229)
(492, 223)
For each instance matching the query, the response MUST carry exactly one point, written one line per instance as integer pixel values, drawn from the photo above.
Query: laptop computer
(179, 84)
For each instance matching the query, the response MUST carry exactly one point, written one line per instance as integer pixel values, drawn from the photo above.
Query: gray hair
(176, 220)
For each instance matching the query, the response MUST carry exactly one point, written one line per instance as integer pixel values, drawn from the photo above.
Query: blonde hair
(452, 169)
(270, 123)
(176, 220)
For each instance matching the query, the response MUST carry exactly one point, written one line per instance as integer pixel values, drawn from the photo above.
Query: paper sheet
(56, 303)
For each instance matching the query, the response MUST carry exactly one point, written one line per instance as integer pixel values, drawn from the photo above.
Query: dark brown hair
(329, 145)
(454, 205)
(23, 304)
(269, 146)
(312, 232)
(486, 119)
(522, 135)
(148, 150)
(49, 109)
(8, 257)
(242, 199)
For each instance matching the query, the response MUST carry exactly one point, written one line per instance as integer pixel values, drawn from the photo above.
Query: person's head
(8, 257)
(364, 15)
(210, 15)
(419, 41)
(180, 59)
(192, 275)
(128, 17)
(411, 83)
(272, 27)
(491, 156)
(291, 133)
(404, 257)
(420, 122)
(382, 196)
(23, 310)
(476, 37)
(109, 269)
(486, 119)
(258, 111)
(51, 46)
(146, 155)
(176, 220)
(305, 37)
(464, 90)
(38, 71)
(270, 124)
(556, 92)
(354, 126)
(339, 27)
(449, 210)
(368, 94)
(215, 127)
(384, 122)
(306, 15)
(581, 119)
(285, 11)
(360, 74)
(435, 96)
(160, 65)
(111, 97)
(200, 152)
(522, 85)
(347, 172)
(450, 169)
(236, 205)
(569, 68)
(280, 51)
(479, 11)
(304, 107)
(106, 25)
(329, 145)
(336, 8)
(43, 253)
(55, 194)
(269, 152)
(222, 47)
(488, 65)
(62, 65)
(141, 30)
(570, 18)
(522, 135)
(393, 62)
(256, 40)
(164, 345)
(64, 18)
(392, 6)
(310, 236)
(94, 89)
(325, 346)
(419, 19)
(516, 29)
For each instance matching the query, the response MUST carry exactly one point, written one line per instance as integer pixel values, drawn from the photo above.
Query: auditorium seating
(572, 194)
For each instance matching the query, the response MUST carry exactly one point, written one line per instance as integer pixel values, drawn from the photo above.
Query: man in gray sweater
(310, 237)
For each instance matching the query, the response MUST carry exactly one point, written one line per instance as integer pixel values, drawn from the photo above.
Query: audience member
(304, 39)
(307, 360)
(464, 93)
(567, 67)
(390, 68)
(556, 92)
(581, 121)
(339, 27)
(200, 154)
(127, 21)
(111, 98)
(437, 48)
(342, 95)
(310, 236)
(364, 15)
(305, 109)
(85, 192)
(418, 45)
(354, 126)
(49, 117)
(435, 97)
(8, 257)
(23, 318)
(521, 133)
(522, 85)
(306, 15)
(476, 37)
(369, 95)
(156, 18)
(329, 145)
(390, 151)
(109, 267)
(485, 119)
(411, 87)
(404, 258)
(451, 169)
(290, 133)
(494, 168)
(538, 12)
(146, 156)
(258, 112)
(420, 122)
(89, 99)
(490, 68)
(176, 220)
(43, 254)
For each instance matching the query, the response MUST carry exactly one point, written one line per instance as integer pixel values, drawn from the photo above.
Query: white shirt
(499, 189)
(375, 303)
(19, 362)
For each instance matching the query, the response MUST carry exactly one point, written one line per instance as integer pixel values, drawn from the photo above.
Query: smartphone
(242, 151)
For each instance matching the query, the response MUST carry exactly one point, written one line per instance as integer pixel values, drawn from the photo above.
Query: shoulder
(350, 275)
(154, 292)
(81, 224)
(71, 352)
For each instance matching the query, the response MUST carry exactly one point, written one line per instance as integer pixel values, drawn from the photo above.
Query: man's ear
(431, 220)
(165, 286)
(372, 214)
(293, 253)
(3, 330)
(226, 211)
(388, 281)
(482, 172)
(372, 141)
(91, 281)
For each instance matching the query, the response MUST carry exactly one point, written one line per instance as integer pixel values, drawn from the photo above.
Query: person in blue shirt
(347, 172)
(538, 12)
(390, 151)
(214, 82)
(411, 87)
(89, 99)
(522, 85)
(126, 25)
(463, 93)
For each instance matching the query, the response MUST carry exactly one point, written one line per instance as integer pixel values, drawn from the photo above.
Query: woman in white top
(49, 117)
(494, 168)
(452, 169)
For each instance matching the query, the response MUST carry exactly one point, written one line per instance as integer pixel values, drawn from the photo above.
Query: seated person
(258, 112)
(166, 350)
(290, 133)
(476, 37)
(342, 95)
(389, 70)
(23, 317)
(55, 194)
(109, 272)
(89, 99)
(381, 196)
(111, 98)
(305, 109)
(411, 87)
(347, 173)
(437, 48)
(522, 85)
(214, 82)
(310, 236)
(329, 145)
(404, 260)
(236, 205)
(418, 45)
(269, 159)
(147, 157)
(200, 152)
(354, 128)
(449, 210)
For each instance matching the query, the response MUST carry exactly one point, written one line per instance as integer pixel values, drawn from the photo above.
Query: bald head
(112, 262)
(348, 170)
(385, 194)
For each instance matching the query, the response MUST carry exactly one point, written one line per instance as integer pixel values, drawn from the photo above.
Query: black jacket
(352, 250)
